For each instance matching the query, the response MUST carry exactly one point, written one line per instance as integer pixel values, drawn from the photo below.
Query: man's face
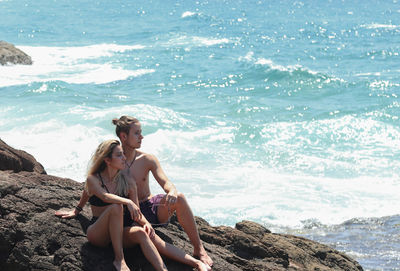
(134, 138)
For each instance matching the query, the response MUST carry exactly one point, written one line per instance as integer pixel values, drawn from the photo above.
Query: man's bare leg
(176, 254)
(186, 219)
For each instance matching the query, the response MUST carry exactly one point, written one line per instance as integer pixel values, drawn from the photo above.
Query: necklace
(133, 160)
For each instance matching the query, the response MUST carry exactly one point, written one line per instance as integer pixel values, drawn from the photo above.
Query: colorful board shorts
(149, 209)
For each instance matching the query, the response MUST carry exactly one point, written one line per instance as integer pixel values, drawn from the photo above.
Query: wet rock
(9, 54)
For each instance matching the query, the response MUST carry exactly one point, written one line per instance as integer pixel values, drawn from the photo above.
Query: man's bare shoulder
(147, 157)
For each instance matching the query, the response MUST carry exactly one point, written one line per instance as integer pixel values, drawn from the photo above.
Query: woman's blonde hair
(97, 164)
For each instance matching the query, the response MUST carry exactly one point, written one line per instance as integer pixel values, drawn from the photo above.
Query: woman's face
(118, 159)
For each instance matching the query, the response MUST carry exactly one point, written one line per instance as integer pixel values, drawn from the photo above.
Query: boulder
(33, 238)
(18, 160)
(12, 55)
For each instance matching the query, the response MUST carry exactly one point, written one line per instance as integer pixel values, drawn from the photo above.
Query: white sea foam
(225, 190)
(187, 14)
(221, 183)
(249, 57)
(377, 26)
(318, 146)
(234, 192)
(369, 74)
(71, 65)
(75, 143)
(273, 66)
(147, 114)
(64, 150)
(195, 41)
(209, 170)
(383, 84)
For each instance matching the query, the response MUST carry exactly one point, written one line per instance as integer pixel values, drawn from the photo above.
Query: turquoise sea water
(281, 112)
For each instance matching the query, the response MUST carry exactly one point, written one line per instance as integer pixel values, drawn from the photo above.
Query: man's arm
(162, 179)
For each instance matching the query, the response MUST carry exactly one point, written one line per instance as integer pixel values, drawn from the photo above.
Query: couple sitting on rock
(124, 211)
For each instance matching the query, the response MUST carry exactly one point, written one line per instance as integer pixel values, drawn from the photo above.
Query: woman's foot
(203, 256)
(202, 266)
(121, 265)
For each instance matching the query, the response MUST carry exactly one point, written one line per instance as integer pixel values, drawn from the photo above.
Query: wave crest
(294, 76)
(79, 65)
(188, 14)
(378, 26)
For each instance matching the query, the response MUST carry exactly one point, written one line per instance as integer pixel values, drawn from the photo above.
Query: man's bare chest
(139, 172)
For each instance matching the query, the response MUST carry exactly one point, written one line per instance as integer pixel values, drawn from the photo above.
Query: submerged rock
(10, 54)
(33, 238)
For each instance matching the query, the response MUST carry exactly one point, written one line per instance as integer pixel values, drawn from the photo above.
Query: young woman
(114, 204)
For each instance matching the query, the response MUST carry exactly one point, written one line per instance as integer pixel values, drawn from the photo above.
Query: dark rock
(252, 228)
(10, 54)
(33, 238)
(17, 160)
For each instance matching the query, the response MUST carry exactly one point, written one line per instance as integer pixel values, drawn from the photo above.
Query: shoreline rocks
(9, 54)
(18, 160)
(33, 238)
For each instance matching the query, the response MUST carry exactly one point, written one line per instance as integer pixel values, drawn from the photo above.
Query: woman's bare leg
(137, 235)
(108, 228)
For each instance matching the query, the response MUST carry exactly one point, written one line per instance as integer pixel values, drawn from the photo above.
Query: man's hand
(172, 197)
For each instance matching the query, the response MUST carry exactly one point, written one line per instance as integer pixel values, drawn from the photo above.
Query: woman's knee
(137, 234)
(96, 237)
(116, 209)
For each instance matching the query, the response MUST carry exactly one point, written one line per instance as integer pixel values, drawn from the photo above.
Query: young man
(156, 208)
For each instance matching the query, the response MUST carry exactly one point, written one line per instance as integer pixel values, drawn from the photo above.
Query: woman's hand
(134, 211)
(67, 214)
(149, 230)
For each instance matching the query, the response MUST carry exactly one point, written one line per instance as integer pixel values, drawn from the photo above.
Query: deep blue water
(281, 112)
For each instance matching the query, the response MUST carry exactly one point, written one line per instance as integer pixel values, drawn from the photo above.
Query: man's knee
(181, 199)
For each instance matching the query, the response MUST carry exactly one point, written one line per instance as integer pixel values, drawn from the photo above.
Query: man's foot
(203, 256)
(121, 265)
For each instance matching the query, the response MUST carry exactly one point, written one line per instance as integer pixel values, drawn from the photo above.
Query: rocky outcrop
(17, 160)
(12, 55)
(33, 238)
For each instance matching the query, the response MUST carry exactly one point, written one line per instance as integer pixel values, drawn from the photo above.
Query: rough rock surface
(10, 54)
(17, 160)
(33, 238)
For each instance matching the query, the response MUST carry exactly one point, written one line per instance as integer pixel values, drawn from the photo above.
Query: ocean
(281, 112)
